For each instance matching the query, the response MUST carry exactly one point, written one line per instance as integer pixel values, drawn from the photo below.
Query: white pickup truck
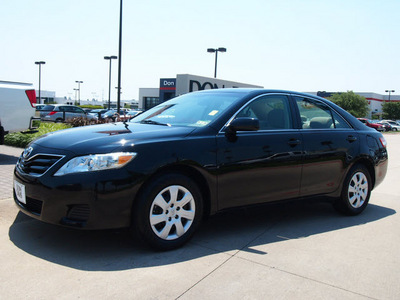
(17, 107)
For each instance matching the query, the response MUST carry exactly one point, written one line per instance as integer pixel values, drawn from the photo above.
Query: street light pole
(40, 63)
(76, 90)
(110, 58)
(216, 50)
(389, 91)
(79, 90)
(120, 57)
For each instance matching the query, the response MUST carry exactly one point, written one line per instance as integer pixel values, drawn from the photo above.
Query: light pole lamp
(40, 63)
(110, 58)
(216, 50)
(390, 91)
(79, 90)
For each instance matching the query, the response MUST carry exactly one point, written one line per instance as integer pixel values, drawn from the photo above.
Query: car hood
(108, 137)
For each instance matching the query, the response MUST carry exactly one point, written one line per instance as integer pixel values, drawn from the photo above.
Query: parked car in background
(395, 125)
(165, 170)
(386, 125)
(111, 115)
(62, 112)
(98, 112)
(39, 107)
(369, 123)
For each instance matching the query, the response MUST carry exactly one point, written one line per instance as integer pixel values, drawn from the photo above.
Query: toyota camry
(165, 170)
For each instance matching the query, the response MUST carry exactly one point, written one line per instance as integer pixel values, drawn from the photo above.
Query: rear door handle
(351, 138)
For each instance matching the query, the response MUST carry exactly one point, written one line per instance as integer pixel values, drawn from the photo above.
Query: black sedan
(198, 154)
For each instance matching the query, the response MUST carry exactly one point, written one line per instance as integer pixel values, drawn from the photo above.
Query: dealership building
(182, 84)
(186, 83)
(375, 102)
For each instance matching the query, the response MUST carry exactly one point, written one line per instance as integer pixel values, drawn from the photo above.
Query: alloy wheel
(172, 212)
(358, 190)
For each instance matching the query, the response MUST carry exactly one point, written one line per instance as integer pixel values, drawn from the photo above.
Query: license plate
(20, 191)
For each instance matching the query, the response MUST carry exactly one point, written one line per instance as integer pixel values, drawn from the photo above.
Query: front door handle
(294, 142)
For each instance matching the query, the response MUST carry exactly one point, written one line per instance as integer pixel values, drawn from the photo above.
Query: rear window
(48, 108)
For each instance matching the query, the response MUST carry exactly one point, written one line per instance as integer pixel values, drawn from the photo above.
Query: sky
(300, 45)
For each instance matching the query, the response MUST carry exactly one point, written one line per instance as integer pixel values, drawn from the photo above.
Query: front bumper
(91, 201)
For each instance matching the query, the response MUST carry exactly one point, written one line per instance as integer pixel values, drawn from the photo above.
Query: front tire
(168, 211)
(356, 191)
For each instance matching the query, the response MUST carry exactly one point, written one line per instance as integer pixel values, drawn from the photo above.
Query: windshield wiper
(154, 123)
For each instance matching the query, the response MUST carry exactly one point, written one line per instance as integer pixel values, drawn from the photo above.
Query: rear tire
(168, 211)
(356, 191)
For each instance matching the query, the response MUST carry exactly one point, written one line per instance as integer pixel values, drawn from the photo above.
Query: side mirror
(244, 124)
(241, 124)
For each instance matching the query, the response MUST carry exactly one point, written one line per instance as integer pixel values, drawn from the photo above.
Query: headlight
(96, 162)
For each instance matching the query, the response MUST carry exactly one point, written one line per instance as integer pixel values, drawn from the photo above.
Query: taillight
(52, 113)
(383, 141)
(31, 94)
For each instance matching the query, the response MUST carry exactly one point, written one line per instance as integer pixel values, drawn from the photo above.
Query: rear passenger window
(272, 111)
(316, 115)
(339, 122)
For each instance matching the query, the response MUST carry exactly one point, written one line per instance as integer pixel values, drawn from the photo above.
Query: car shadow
(8, 159)
(240, 229)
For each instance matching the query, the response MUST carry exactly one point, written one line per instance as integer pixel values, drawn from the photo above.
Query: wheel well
(370, 167)
(190, 172)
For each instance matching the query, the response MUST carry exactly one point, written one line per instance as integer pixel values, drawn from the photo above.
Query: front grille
(79, 212)
(38, 164)
(32, 205)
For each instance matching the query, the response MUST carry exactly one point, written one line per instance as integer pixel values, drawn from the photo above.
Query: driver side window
(272, 111)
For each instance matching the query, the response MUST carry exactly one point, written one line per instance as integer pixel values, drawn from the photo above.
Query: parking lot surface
(288, 251)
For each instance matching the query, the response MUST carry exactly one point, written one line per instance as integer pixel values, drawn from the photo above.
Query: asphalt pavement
(290, 251)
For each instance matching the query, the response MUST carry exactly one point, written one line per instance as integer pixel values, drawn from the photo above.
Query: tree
(355, 104)
(391, 110)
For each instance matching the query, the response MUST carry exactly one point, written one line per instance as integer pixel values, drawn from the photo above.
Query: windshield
(192, 110)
